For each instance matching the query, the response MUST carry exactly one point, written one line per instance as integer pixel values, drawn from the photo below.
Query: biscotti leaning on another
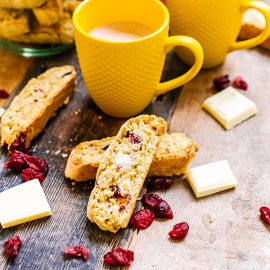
(49, 13)
(19, 4)
(122, 171)
(253, 24)
(174, 153)
(29, 111)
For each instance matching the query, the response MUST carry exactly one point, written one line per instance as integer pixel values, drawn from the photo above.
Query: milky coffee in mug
(121, 31)
(121, 46)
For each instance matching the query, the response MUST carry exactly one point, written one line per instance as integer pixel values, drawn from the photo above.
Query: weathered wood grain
(81, 120)
(12, 71)
(225, 229)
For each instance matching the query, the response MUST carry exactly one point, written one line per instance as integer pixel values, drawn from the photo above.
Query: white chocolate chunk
(123, 160)
(230, 107)
(23, 203)
(211, 178)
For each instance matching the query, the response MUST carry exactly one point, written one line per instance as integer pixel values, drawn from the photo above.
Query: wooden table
(225, 229)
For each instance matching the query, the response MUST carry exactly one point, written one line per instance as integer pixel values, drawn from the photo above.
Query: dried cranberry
(109, 259)
(117, 192)
(122, 208)
(119, 257)
(222, 82)
(265, 213)
(16, 161)
(31, 167)
(19, 144)
(4, 93)
(37, 164)
(240, 83)
(77, 251)
(133, 137)
(30, 174)
(142, 219)
(179, 231)
(158, 206)
(12, 246)
(158, 182)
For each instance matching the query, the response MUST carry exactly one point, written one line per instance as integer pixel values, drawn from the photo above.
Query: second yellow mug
(215, 24)
(123, 76)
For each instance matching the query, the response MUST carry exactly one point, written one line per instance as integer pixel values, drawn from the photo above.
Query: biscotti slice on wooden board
(253, 24)
(174, 153)
(29, 111)
(19, 4)
(49, 13)
(14, 22)
(122, 171)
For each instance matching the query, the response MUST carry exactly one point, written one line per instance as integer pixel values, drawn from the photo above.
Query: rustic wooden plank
(12, 71)
(225, 229)
(81, 120)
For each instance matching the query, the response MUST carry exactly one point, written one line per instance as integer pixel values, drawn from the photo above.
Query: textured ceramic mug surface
(123, 77)
(215, 24)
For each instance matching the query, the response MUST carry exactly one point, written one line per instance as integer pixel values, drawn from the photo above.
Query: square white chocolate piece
(211, 178)
(230, 107)
(23, 203)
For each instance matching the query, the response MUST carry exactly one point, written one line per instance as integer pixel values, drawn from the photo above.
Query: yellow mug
(215, 24)
(123, 77)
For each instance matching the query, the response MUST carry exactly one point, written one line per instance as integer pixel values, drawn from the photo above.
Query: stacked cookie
(37, 21)
(121, 164)
(253, 24)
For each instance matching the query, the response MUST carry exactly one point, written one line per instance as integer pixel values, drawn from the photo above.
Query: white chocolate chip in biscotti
(123, 160)
(113, 198)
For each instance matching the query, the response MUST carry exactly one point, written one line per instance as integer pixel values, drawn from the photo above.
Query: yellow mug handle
(265, 10)
(195, 47)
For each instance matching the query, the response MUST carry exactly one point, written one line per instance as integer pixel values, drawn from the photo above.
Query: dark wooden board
(80, 120)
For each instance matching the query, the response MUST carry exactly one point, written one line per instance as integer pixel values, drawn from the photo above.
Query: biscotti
(253, 24)
(174, 153)
(122, 171)
(37, 102)
(61, 32)
(49, 13)
(70, 5)
(18, 4)
(14, 22)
